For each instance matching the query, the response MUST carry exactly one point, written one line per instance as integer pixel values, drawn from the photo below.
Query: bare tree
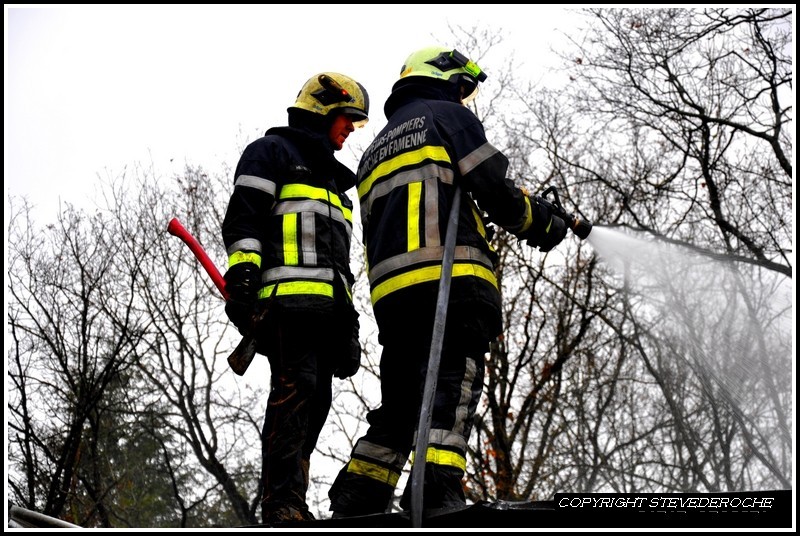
(75, 340)
(700, 99)
(609, 376)
(696, 101)
(120, 342)
(187, 378)
(641, 384)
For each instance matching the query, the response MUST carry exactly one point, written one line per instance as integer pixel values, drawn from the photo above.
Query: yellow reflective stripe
(291, 256)
(298, 287)
(481, 227)
(443, 457)
(429, 273)
(528, 215)
(240, 256)
(406, 159)
(305, 191)
(373, 471)
(349, 294)
(414, 193)
(478, 222)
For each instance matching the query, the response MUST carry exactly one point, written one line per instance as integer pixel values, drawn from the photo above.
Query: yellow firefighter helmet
(327, 92)
(442, 63)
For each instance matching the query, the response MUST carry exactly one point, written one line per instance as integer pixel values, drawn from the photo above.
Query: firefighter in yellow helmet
(406, 182)
(287, 232)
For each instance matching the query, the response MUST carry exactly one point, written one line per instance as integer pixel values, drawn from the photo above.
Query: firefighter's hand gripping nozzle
(581, 227)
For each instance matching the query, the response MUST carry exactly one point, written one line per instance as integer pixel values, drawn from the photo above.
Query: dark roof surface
(762, 509)
(738, 510)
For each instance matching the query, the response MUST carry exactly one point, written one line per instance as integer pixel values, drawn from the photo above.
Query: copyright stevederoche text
(666, 502)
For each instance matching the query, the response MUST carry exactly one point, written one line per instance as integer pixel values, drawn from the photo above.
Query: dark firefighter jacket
(288, 207)
(405, 183)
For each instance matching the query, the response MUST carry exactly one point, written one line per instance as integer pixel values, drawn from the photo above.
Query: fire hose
(581, 228)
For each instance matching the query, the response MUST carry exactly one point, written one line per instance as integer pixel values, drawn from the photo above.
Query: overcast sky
(90, 90)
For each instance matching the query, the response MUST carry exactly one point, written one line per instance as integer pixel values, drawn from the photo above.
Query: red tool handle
(176, 229)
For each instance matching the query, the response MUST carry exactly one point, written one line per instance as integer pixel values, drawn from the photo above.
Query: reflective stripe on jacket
(405, 185)
(289, 207)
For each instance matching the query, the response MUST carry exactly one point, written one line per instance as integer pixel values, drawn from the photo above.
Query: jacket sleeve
(483, 169)
(256, 182)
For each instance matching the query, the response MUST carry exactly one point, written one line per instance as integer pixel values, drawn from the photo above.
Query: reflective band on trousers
(298, 287)
(429, 273)
(373, 471)
(444, 457)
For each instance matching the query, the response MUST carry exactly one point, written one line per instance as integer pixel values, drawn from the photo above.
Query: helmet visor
(358, 117)
(469, 98)
(469, 89)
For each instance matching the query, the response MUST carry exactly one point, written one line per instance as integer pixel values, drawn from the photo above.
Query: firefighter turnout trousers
(298, 405)
(366, 484)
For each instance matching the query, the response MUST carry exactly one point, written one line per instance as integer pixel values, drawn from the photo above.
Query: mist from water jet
(726, 326)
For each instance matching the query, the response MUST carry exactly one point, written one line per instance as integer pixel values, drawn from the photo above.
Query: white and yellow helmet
(325, 92)
(442, 63)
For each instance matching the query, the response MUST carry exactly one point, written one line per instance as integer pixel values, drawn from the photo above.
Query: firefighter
(287, 232)
(406, 182)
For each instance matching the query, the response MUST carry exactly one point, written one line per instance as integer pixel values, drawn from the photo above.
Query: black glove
(553, 234)
(242, 282)
(349, 367)
(349, 362)
(547, 229)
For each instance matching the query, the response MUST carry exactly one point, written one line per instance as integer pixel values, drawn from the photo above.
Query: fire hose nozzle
(581, 228)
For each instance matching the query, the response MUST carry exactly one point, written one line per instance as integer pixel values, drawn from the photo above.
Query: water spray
(581, 227)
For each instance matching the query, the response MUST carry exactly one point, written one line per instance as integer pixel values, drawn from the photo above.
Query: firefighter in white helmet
(287, 232)
(406, 182)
